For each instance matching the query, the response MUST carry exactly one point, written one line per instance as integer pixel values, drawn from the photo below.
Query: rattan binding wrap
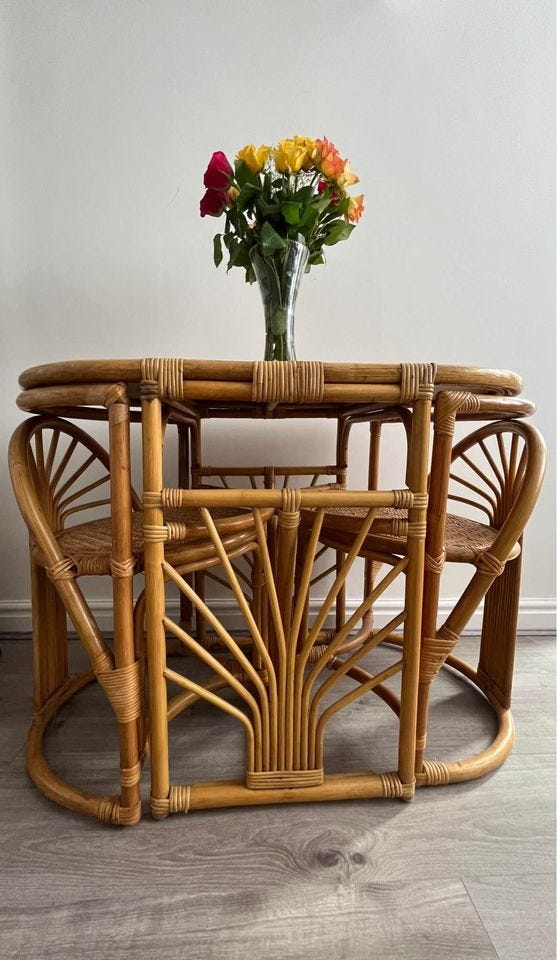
(283, 779)
(288, 380)
(416, 381)
(162, 377)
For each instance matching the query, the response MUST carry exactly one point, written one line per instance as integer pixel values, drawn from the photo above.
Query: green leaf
(233, 251)
(322, 201)
(239, 255)
(243, 173)
(267, 209)
(290, 211)
(250, 274)
(317, 257)
(339, 231)
(304, 194)
(234, 218)
(271, 240)
(217, 249)
(246, 195)
(309, 217)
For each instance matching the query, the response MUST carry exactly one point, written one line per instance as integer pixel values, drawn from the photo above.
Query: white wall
(112, 109)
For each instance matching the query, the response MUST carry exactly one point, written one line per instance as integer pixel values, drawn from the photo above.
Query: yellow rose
(254, 157)
(290, 157)
(309, 147)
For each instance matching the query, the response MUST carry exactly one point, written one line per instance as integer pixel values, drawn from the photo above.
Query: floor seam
(476, 911)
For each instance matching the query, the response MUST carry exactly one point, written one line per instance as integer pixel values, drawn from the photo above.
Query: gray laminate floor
(462, 872)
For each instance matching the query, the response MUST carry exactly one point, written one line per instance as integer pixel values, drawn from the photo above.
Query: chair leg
(498, 641)
(50, 638)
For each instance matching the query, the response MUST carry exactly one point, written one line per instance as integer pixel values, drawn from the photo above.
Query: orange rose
(355, 208)
(347, 178)
(328, 160)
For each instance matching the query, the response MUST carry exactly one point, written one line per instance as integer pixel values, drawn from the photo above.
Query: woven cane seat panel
(89, 544)
(465, 540)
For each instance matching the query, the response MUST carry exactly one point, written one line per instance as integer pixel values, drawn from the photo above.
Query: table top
(221, 388)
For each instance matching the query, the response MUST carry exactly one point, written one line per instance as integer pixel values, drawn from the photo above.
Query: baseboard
(536, 614)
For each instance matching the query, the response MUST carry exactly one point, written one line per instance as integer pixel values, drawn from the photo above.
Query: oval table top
(228, 388)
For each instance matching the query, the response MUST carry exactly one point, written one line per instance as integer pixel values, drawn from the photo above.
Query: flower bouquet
(282, 206)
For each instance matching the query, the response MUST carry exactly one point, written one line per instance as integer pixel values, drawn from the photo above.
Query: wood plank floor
(463, 872)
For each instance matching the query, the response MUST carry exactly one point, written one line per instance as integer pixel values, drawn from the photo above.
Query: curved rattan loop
(107, 809)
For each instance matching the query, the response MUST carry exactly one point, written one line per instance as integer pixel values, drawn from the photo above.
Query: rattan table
(266, 540)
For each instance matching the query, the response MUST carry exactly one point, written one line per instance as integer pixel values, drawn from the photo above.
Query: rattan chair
(60, 473)
(496, 474)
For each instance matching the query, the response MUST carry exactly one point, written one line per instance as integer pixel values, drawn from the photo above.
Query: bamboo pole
(417, 469)
(154, 602)
(122, 589)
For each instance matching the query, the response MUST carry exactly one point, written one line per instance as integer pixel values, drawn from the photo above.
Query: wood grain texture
(298, 882)
(336, 916)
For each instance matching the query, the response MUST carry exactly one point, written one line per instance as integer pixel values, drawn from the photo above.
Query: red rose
(219, 172)
(323, 185)
(212, 204)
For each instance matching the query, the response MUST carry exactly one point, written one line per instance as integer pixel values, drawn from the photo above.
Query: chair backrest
(496, 473)
(507, 462)
(58, 472)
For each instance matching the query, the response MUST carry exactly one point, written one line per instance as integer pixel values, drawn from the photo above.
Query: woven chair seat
(89, 545)
(465, 540)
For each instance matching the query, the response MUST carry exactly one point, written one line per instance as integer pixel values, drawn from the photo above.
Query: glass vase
(278, 277)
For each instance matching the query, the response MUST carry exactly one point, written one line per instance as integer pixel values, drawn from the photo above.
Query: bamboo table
(284, 731)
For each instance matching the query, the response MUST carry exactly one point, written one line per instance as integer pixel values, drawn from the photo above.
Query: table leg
(122, 565)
